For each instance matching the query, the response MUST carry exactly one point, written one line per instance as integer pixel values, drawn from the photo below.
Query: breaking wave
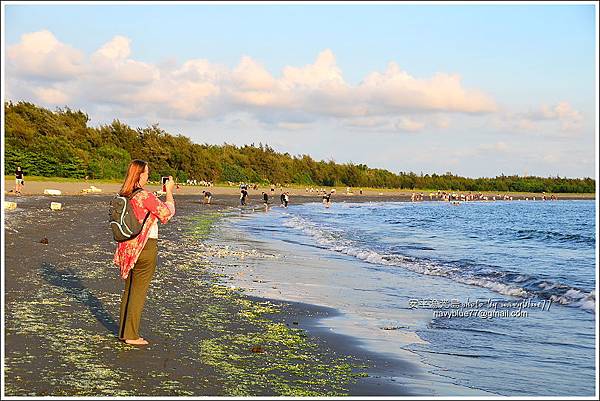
(486, 276)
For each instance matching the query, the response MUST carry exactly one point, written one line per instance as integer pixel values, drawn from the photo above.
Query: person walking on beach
(136, 258)
(243, 195)
(266, 200)
(207, 197)
(286, 199)
(282, 198)
(19, 181)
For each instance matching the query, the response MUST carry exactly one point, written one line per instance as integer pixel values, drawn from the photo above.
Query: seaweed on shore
(263, 356)
(201, 224)
(61, 317)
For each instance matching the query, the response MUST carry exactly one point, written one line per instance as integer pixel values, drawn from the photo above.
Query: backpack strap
(133, 193)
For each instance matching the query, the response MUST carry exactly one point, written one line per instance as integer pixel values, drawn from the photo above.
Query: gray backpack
(123, 223)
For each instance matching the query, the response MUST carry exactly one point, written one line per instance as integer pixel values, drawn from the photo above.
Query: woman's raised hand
(170, 185)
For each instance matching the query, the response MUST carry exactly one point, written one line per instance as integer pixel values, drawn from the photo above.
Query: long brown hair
(132, 180)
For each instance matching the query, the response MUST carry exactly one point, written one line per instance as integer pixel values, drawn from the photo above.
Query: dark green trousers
(136, 287)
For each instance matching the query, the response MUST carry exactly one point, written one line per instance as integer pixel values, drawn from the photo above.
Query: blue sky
(524, 101)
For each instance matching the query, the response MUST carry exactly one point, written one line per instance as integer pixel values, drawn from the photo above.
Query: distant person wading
(243, 196)
(137, 257)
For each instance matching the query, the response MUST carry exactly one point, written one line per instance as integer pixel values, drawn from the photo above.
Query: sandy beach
(62, 294)
(207, 336)
(35, 187)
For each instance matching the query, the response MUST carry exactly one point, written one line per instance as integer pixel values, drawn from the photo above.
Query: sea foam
(335, 240)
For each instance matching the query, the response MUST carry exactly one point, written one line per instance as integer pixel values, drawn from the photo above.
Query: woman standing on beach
(137, 257)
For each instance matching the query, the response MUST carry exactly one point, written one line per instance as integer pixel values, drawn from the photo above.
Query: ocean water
(500, 295)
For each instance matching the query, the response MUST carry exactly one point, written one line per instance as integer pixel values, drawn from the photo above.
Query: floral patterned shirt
(128, 252)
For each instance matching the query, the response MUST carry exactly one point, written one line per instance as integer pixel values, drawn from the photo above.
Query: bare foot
(139, 341)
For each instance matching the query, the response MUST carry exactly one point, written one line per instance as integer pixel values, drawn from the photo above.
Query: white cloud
(322, 75)
(570, 119)
(396, 89)
(494, 147)
(551, 158)
(385, 124)
(111, 63)
(409, 125)
(40, 55)
(442, 122)
(392, 100)
(366, 122)
(292, 126)
(546, 120)
(116, 49)
(484, 150)
(52, 96)
(251, 76)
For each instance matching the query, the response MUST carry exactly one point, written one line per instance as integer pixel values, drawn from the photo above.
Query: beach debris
(91, 189)
(10, 205)
(55, 205)
(225, 252)
(257, 349)
(44, 241)
(393, 327)
(296, 323)
(52, 192)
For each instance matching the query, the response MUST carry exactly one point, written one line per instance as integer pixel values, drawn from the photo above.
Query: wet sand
(61, 316)
(281, 269)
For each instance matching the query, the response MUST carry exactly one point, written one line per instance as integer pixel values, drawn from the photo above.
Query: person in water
(327, 200)
(243, 196)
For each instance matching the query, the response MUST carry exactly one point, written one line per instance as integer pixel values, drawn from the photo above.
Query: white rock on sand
(55, 206)
(91, 189)
(52, 192)
(10, 205)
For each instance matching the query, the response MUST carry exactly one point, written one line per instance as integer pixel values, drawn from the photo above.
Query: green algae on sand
(288, 362)
(61, 314)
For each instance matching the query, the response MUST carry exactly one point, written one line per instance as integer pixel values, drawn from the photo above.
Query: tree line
(60, 143)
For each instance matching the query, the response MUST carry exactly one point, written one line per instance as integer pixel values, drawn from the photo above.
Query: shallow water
(391, 267)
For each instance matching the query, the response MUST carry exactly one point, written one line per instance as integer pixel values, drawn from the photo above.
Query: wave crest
(506, 283)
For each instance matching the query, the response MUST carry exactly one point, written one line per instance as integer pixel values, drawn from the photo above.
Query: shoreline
(61, 300)
(391, 354)
(301, 270)
(380, 379)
